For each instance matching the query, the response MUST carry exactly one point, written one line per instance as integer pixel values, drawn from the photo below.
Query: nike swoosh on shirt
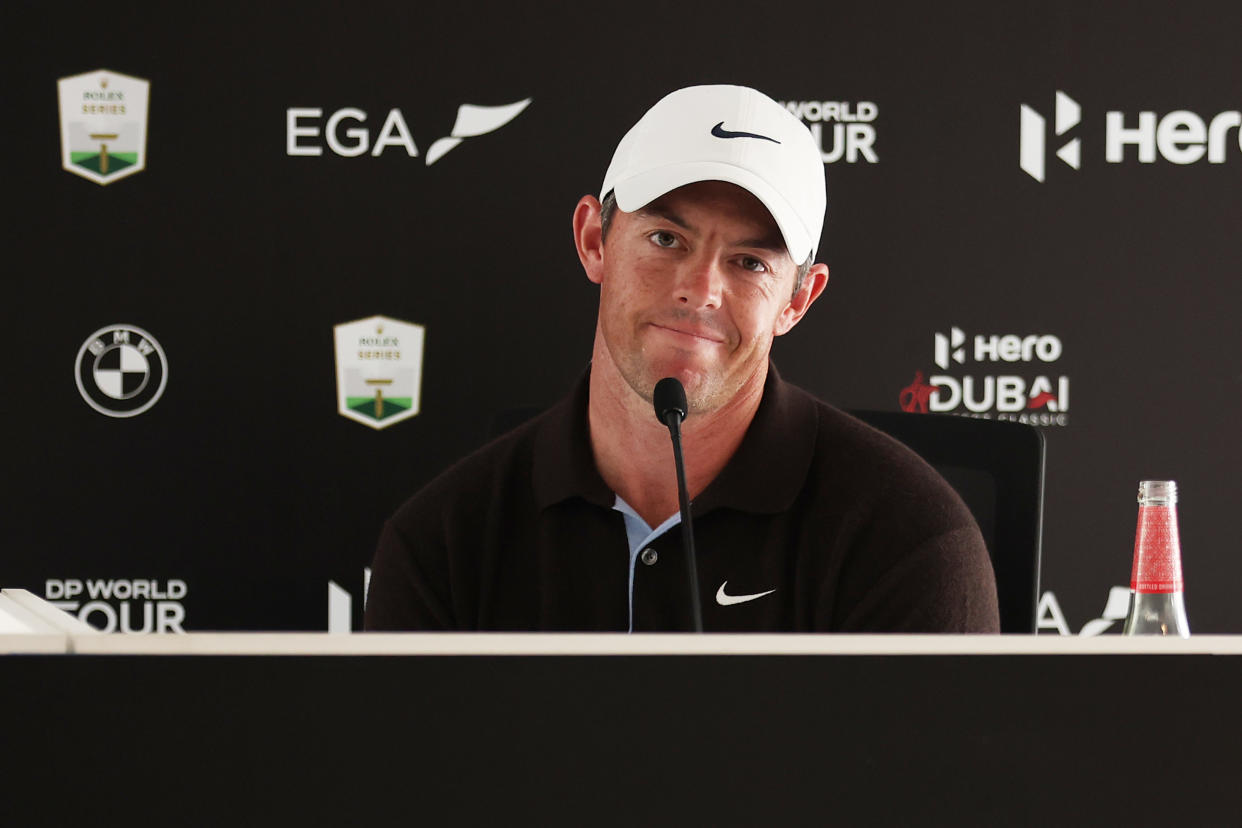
(720, 132)
(726, 600)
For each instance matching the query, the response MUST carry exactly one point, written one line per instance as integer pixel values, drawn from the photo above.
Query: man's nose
(700, 282)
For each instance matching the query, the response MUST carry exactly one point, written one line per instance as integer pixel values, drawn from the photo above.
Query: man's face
(695, 285)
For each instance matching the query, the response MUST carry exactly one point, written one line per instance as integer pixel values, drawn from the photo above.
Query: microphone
(669, 398)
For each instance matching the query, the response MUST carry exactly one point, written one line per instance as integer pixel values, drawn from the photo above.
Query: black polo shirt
(848, 529)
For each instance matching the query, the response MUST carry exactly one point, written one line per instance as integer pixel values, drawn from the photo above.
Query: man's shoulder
(869, 462)
(840, 433)
(918, 561)
(501, 465)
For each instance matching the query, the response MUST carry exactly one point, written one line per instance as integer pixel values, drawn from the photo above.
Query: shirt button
(650, 556)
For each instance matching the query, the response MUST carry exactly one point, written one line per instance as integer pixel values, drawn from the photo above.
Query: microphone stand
(671, 408)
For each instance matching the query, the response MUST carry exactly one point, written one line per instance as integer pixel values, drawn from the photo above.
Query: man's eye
(755, 265)
(663, 238)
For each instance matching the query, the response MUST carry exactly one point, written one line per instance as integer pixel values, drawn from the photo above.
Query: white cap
(725, 133)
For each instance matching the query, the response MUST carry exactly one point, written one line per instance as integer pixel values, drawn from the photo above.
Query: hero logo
(133, 605)
(1031, 143)
(1180, 137)
(1041, 400)
(352, 141)
(852, 130)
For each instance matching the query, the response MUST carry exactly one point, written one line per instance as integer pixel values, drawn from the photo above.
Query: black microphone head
(669, 396)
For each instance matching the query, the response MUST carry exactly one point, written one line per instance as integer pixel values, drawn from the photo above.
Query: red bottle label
(1157, 551)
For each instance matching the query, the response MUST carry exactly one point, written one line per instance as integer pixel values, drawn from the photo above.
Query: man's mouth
(691, 332)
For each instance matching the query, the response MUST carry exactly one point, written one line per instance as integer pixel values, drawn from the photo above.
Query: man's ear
(589, 237)
(812, 286)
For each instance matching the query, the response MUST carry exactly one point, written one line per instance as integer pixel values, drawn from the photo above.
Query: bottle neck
(1157, 551)
(1158, 493)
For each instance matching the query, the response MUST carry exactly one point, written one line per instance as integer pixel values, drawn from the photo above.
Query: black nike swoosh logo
(720, 132)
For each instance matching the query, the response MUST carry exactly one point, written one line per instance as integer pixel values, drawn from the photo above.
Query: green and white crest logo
(379, 370)
(103, 125)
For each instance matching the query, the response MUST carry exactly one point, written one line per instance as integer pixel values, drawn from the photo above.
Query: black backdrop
(244, 482)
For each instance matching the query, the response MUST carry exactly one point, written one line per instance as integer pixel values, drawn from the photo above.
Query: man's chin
(704, 390)
(692, 377)
(643, 380)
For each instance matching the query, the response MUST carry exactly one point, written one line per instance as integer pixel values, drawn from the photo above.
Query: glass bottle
(1156, 603)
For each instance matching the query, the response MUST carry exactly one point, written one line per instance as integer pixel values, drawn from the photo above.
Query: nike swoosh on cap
(720, 132)
(726, 600)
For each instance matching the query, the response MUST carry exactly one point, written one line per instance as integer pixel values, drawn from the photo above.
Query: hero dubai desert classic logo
(121, 371)
(844, 130)
(379, 370)
(1179, 137)
(103, 125)
(128, 605)
(302, 129)
(1037, 397)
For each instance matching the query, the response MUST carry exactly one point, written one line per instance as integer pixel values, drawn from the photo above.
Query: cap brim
(638, 191)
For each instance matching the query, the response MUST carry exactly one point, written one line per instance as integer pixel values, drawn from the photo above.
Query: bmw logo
(121, 371)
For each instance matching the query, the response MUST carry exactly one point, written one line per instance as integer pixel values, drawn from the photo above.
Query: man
(805, 519)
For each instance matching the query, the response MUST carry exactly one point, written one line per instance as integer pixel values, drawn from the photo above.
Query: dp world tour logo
(103, 125)
(121, 371)
(844, 130)
(379, 370)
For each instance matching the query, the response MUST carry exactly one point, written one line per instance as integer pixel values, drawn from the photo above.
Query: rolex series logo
(379, 370)
(103, 125)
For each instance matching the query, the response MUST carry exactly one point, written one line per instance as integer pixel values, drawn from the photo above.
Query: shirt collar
(770, 466)
(764, 476)
(564, 465)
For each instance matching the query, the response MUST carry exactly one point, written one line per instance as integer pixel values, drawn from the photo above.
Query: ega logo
(346, 134)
